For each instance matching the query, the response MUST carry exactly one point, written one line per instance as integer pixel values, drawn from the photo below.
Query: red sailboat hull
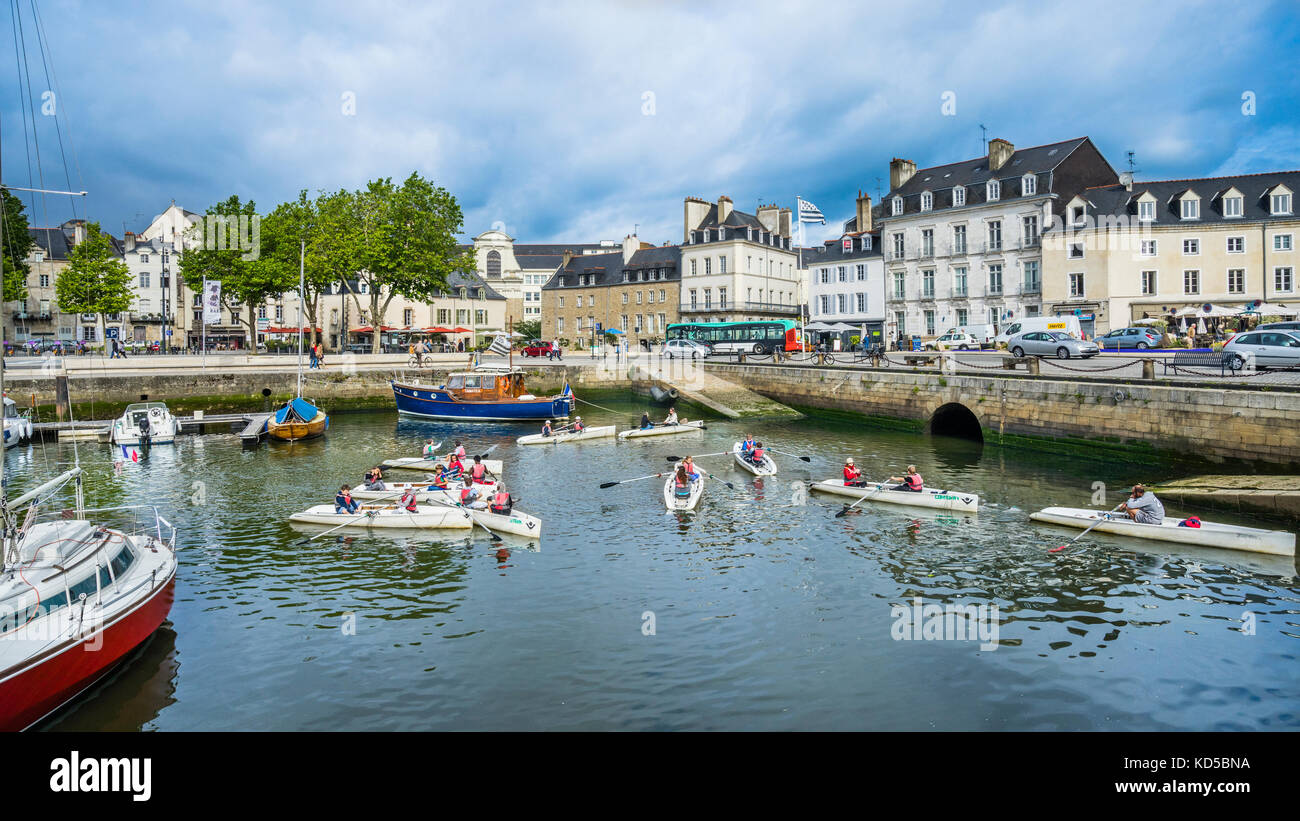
(43, 685)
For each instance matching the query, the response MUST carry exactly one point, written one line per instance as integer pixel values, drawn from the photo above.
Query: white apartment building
(962, 242)
(737, 266)
(846, 279)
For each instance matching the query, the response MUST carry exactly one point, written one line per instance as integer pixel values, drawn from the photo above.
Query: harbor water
(762, 610)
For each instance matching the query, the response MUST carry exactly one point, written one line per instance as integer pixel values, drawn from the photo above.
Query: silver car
(685, 348)
(1051, 343)
(1264, 349)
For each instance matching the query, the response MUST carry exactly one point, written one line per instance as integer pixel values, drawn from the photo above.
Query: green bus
(748, 337)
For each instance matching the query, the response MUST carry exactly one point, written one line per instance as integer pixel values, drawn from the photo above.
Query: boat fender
(1190, 521)
(1120, 396)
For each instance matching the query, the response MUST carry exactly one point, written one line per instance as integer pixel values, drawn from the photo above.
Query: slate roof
(52, 241)
(608, 268)
(471, 280)
(1116, 200)
(736, 219)
(832, 252)
(973, 174)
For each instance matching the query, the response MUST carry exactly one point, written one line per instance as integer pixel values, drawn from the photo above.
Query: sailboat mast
(302, 255)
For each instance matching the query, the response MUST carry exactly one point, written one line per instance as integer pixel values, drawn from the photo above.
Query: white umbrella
(1200, 326)
(1269, 309)
(841, 326)
(1182, 324)
(817, 326)
(1147, 321)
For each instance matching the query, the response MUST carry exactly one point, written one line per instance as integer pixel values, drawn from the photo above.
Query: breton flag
(500, 345)
(810, 213)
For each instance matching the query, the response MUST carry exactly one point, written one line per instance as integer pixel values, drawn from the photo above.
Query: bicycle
(414, 362)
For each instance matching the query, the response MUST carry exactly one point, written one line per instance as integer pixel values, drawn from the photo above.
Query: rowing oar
(699, 456)
(492, 536)
(791, 455)
(879, 487)
(717, 478)
(353, 519)
(637, 479)
(1100, 519)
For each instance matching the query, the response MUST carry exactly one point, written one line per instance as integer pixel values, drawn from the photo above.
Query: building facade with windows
(518, 271)
(1147, 249)
(636, 291)
(737, 266)
(846, 279)
(962, 242)
(153, 267)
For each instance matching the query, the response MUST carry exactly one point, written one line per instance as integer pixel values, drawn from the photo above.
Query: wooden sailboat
(299, 418)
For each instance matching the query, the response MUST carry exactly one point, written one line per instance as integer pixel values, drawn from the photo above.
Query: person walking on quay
(311, 352)
(559, 354)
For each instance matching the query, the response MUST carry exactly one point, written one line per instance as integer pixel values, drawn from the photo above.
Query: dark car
(538, 347)
(1129, 339)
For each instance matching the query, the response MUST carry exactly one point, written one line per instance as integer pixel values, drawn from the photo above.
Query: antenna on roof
(878, 184)
(984, 137)
(1131, 169)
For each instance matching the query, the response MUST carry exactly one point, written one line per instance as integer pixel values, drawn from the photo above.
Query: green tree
(15, 244)
(284, 231)
(95, 281)
(529, 328)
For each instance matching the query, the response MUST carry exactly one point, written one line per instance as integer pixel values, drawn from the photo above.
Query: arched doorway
(955, 419)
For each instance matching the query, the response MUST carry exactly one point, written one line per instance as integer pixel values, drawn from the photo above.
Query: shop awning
(305, 330)
(369, 329)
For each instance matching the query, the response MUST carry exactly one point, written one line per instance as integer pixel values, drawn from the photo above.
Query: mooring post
(1148, 369)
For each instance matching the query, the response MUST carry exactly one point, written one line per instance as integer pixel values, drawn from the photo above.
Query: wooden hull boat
(682, 503)
(485, 394)
(1209, 534)
(662, 430)
(298, 419)
(768, 468)
(369, 517)
(556, 438)
(938, 499)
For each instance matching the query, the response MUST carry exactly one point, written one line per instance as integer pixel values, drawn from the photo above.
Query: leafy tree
(529, 328)
(283, 231)
(95, 281)
(15, 244)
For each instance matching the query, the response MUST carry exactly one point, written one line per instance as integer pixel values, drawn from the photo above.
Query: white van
(1066, 324)
(984, 334)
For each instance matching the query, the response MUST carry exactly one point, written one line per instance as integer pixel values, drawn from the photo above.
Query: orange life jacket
(478, 471)
(913, 481)
(465, 494)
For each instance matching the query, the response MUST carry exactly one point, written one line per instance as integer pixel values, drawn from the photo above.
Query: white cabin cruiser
(17, 427)
(152, 419)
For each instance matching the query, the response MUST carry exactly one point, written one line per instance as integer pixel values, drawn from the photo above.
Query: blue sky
(536, 116)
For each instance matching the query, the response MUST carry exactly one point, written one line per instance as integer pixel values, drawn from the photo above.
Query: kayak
(515, 522)
(1209, 534)
(768, 468)
(940, 499)
(570, 436)
(377, 516)
(417, 463)
(662, 430)
(422, 492)
(675, 502)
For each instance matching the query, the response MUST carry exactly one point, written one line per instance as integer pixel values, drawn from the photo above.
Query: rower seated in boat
(577, 425)
(911, 482)
(430, 450)
(454, 467)
(671, 419)
(501, 501)
(459, 450)
(756, 454)
(546, 428)
(374, 480)
(478, 471)
(437, 479)
(852, 476)
(746, 445)
(469, 495)
(682, 481)
(407, 502)
(689, 464)
(1143, 507)
(646, 424)
(343, 501)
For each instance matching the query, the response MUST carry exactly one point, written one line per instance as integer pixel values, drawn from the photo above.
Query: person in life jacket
(747, 445)
(501, 501)
(344, 501)
(682, 481)
(756, 455)
(469, 495)
(852, 476)
(646, 424)
(407, 502)
(374, 480)
(460, 450)
(438, 479)
(689, 464)
(912, 481)
(546, 428)
(429, 450)
(578, 427)
(478, 471)
(454, 466)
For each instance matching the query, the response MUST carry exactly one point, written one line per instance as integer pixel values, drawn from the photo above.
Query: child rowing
(852, 476)
(911, 482)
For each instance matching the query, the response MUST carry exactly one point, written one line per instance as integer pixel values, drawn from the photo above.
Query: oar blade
(604, 485)
(805, 459)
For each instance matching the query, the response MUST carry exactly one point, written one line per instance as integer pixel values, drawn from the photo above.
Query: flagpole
(203, 324)
(803, 325)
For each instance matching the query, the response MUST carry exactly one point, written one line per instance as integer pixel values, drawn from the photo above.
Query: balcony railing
(1030, 242)
(992, 247)
(1031, 287)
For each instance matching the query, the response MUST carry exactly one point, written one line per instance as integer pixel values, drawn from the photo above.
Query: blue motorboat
(485, 394)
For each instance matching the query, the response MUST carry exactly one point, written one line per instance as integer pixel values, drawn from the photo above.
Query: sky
(586, 121)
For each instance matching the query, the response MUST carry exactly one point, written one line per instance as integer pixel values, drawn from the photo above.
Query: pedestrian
(559, 354)
(312, 353)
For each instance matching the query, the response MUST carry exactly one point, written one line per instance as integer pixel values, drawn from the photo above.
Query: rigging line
(52, 79)
(25, 71)
(22, 107)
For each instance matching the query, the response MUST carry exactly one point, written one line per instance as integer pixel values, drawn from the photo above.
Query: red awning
(305, 330)
(369, 330)
(460, 330)
(437, 329)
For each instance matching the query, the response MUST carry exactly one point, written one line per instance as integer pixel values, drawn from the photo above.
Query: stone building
(737, 266)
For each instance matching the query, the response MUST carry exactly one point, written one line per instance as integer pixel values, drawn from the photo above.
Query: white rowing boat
(939, 499)
(428, 465)
(662, 430)
(387, 516)
(688, 502)
(768, 468)
(1209, 534)
(422, 490)
(567, 436)
(515, 522)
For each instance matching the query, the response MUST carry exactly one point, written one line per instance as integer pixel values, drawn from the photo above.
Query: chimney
(568, 257)
(864, 212)
(999, 152)
(630, 246)
(785, 223)
(1126, 180)
(768, 217)
(724, 208)
(128, 241)
(693, 213)
(78, 232)
(900, 171)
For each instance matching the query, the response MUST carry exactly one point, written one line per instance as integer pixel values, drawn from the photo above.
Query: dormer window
(898, 206)
(1191, 209)
(1232, 206)
(1028, 185)
(1281, 203)
(994, 190)
(959, 195)
(927, 201)
(1147, 211)
(749, 233)
(866, 242)
(1077, 215)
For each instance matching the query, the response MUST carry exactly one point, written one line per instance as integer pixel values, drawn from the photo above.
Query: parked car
(1136, 338)
(538, 347)
(684, 348)
(1264, 349)
(1065, 324)
(953, 340)
(1051, 343)
(1279, 326)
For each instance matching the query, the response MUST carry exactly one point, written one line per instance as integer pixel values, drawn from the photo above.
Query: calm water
(768, 612)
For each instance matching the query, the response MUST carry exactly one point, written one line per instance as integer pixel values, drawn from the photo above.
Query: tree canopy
(95, 281)
(15, 244)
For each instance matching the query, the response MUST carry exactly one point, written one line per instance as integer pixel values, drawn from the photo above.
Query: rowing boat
(386, 516)
(1209, 534)
(422, 490)
(428, 465)
(662, 430)
(567, 436)
(515, 522)
(940, 499)
(768, 468)
(689, 502)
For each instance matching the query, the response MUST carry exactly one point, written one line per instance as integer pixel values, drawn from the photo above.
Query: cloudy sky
(578, 121)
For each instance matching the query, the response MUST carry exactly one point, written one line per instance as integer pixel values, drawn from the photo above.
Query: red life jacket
(465, 494)
(850, 473)
(408, 499)
(477, 471)
(455, 467)
(758, 455)
(913, 481)
(501, 501)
